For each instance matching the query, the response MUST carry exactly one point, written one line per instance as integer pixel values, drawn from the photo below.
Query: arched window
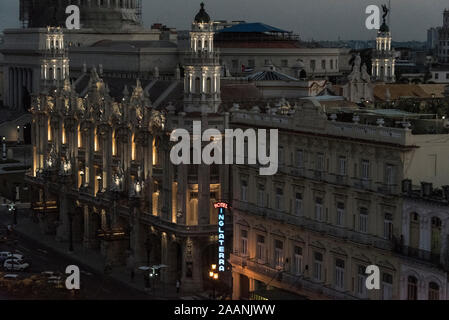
(197, 85)
(199, 45)
(412, 288)
(209, 85)
(51, 75)
(434, 291)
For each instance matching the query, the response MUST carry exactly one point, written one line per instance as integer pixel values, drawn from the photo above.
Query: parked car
(15, 264)
(8, 255)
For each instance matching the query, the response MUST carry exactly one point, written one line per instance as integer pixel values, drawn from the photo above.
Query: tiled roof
(258, 44)
(422, 91)
(252, 27)
(270, 75)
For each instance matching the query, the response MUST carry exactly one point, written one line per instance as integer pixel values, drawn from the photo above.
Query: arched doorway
(412, 288)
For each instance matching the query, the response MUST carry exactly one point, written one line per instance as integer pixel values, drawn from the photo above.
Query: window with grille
(297, 260)
(387, 286)
(244, 190)
(342, 166)
(389, 174)
(319, 209)
(278, 253)
(260, 249)
(244, 242)
(260, 195)
(298, 203)
(317, 266)
(363, 220)
(361, 281)
(365, 169)
(388, 226)
(339, 274)
(320, 162)
(300, 158)
(340, 213)
(278, 199)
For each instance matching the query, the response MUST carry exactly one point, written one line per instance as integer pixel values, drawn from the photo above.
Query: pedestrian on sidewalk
(178, 286)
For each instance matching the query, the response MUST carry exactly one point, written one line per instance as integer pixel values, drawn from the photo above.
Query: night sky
(317, 19)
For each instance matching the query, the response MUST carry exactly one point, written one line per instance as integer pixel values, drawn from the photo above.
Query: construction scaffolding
(43, 13)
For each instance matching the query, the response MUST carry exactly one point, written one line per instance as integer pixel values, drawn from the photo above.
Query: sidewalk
(29, 229)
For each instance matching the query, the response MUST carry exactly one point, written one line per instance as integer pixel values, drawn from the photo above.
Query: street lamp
(65, 172)
(13, 210)
(4, 148)
(213, 275)
(18, 134)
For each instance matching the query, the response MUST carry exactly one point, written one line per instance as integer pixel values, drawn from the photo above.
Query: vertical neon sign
(221, 234)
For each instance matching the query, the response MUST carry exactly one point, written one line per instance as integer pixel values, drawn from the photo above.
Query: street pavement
(46, 254)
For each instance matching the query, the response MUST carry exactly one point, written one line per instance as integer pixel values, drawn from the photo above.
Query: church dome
(202, 16)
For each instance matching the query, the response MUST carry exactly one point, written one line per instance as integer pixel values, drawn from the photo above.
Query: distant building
(432, 38)
(443, 39)
(383, 61)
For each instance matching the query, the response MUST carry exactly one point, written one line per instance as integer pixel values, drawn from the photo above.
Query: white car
(8, 255)
(15, 264)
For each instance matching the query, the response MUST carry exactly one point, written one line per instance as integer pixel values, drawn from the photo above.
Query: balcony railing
(290, 281)
(313, 225)
(364, 184)
(418, 254)
(387, 188)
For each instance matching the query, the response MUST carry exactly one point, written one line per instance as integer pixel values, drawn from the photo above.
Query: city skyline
(305, 18)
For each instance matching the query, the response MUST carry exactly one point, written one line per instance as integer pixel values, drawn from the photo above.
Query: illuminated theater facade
(102, 176)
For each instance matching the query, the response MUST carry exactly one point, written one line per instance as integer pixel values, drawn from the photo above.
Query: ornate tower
(383, 63)
(55, 63)
(202, 68)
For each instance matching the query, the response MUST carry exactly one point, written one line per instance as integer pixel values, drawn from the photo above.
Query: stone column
(167, 180)
(90, 158)
(204, 187)
(235, 286)
(62, 232)
(13, 83)
(164, 256)
(10, 100)
(182, 193)
(89, 238)
(20, 88)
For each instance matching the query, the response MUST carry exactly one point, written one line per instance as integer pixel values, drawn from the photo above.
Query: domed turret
(202, 16)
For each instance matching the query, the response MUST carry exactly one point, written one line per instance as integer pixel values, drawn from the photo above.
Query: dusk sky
(317, 19)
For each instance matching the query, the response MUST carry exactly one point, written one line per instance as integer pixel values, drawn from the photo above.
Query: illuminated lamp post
(213, 275)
